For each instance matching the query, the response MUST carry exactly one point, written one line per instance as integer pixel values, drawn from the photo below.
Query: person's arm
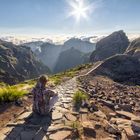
(51, 93)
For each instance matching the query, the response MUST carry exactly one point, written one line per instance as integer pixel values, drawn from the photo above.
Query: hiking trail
(28, 127)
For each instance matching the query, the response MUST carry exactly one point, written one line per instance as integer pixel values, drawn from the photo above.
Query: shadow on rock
(35, 127)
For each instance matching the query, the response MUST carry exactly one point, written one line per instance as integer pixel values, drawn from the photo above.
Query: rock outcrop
(18, 63)
(134, 48)
(116, 43)
(120, 68)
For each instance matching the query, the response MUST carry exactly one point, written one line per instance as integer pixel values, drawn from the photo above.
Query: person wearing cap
(43, 98)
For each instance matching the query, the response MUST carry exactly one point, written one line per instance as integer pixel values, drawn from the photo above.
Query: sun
(79, 9)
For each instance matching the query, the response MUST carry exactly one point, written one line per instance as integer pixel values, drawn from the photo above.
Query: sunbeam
(79, 9)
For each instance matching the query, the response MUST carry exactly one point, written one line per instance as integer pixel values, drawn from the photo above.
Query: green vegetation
(75, 125)
(56, 79)
(30, 83)
(9, 93)
(78, 129)
(2, 84)
(78, 97)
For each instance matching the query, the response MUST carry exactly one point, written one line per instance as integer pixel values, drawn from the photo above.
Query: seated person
(43, 98)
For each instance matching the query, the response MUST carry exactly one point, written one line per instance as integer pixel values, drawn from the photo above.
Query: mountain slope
(120, 68)
(18, 63)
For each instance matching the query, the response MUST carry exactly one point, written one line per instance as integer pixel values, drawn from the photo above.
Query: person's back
(43, 99)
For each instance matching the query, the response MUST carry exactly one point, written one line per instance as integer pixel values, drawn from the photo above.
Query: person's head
(43, 79)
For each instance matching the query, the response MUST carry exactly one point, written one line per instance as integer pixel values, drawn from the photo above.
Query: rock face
(116, 43)
(120, 68)
(18, 63)
(134, 48)
(69, 59)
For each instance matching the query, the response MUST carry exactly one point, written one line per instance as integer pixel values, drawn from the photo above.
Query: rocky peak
(116, 43)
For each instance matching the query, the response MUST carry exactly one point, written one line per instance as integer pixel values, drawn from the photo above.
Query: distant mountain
(134, 48)
(81, 45)
(69, 59)
(116, 43)
(18, 63)
(49, 53)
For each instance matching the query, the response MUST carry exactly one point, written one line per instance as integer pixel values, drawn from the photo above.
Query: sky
(61, 17)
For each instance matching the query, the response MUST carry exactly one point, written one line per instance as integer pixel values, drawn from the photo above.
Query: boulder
(136, 127)
(127, 115)
(120, 121)
(125, 107)
(88, 129)
(100, 114)
(108, 103)
(111, 129)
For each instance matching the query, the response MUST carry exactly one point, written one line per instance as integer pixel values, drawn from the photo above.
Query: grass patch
(2, 84)
(31, 82)
(75, 125)
(9, 94)
(78, 129)
(78, 97)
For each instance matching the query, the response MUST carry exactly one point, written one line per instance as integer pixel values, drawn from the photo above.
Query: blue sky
(50, 17)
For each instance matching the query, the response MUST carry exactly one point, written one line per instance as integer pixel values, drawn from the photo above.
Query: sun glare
(79, 9)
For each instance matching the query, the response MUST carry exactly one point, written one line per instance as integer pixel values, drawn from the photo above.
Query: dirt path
(27, 126)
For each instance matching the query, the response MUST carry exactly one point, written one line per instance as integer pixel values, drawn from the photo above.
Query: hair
(43, 79)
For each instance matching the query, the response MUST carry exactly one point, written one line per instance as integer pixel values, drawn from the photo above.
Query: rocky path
(107, 115)
(32, 127)
(118, 107)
